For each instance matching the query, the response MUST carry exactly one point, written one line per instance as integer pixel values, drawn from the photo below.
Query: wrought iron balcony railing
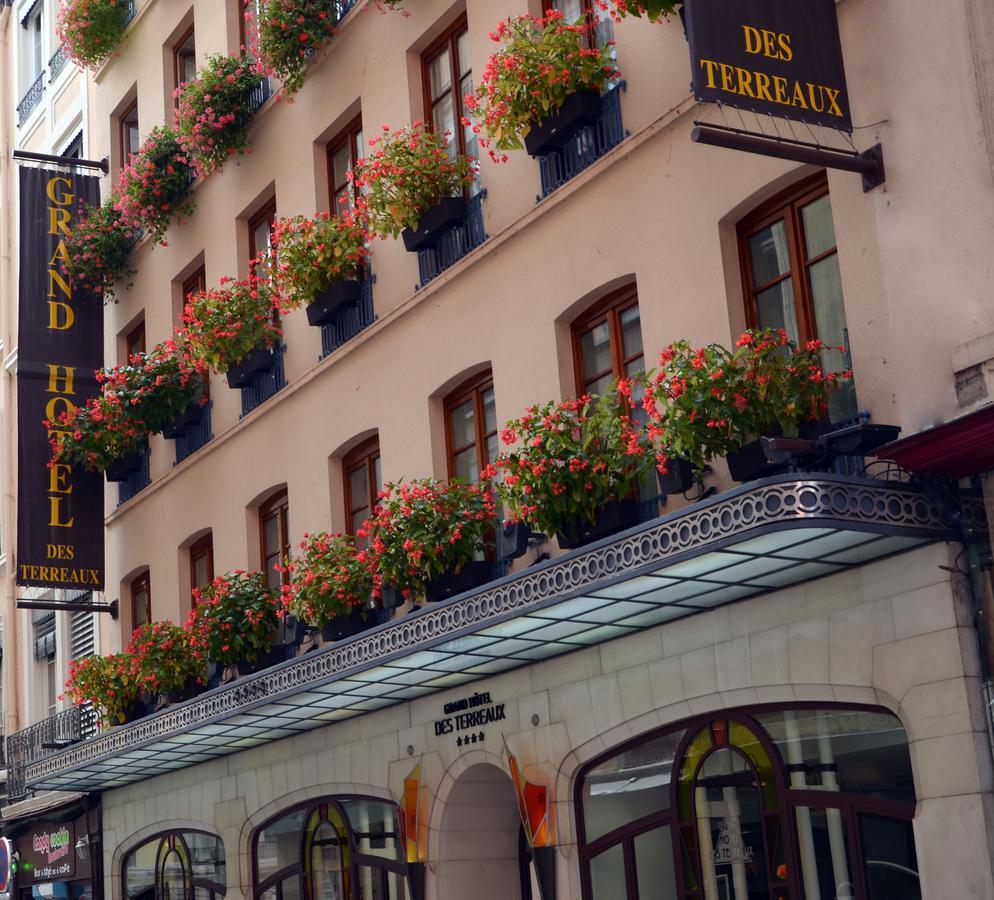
(588, 145)
(58, 62)
(352, 321)
(263, 91)
(31, 99)
(195, 438)
(265, 385)
(137, 481)
(44, 738)
(455, 243)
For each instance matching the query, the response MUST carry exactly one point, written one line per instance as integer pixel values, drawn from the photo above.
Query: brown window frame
(365, 456)
(277, 506)
(194, 282)
(178, 56)
(202, 547)
(590, 39)
(242, 31)
(607, 310)
(139, 582)
(448, 39)
(134, 341)
(267, 211)
(346, 137)
(786, 205)
(472, 389)
(124, 127)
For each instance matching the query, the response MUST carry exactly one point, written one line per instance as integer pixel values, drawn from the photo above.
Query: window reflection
(187, 865)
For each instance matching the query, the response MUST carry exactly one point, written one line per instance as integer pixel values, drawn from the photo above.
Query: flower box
(679, 479)
(330, 304)
(258, 361)
(122, 469)
(192, 688)
(356, 622)
(433, 224)
(191, 417)
(288, 637)
(512, 540)
(140, 708)
(473, 574)
(753, 461)
(553, 131)
(608, 519)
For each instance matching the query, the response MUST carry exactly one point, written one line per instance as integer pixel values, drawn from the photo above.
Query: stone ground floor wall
(896, 633)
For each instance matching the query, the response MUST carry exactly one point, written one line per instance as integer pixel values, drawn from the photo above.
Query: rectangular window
(471, 428)
(35, 46)
(342, 155)
(130, 137)
(607, 342)
(194, 284)
(363, 482)
(260, 234)
(134, 341)
(587, 11)
(141, 600)
(791, 277)
(184, 60)
(448, 77)
(274, 535)
(202, 562)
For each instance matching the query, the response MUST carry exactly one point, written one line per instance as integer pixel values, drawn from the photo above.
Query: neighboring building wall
(894, 634)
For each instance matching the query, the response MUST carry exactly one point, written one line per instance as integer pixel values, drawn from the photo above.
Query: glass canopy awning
(748, 541)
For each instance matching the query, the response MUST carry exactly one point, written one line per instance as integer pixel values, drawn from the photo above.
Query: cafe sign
(778, 57)
(47, 852)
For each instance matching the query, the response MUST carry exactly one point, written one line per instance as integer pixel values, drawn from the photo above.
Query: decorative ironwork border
(838, 501)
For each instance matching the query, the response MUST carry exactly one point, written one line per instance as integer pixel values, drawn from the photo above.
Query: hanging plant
(155, 185)
(163, 659)
(313, 254)
(92, 29)
(569, 459)
(329, 579)
(98, 250)
(425, 529)
(106, 682)
(214, 111)
(289, 32)
(407, 172)
(226, 323)
(541, 63)
(233, 618)
(135, 401)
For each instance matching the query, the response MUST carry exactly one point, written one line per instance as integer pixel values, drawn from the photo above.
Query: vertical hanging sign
(60, 508)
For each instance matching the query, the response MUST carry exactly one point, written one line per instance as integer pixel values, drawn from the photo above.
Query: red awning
(961, 447)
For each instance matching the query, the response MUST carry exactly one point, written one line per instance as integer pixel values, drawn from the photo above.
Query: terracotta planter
(550, 133)
(191, 417)
(332, 303)
(122, 469)
(608, 519)
(257, 362)
(473, 574)
(679, 479)
(433, 224)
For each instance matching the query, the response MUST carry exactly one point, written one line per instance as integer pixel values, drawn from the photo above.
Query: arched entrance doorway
(478, 852)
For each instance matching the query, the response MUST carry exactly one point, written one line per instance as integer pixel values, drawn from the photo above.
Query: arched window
(176, 865)
(790, 803)
(347, 848)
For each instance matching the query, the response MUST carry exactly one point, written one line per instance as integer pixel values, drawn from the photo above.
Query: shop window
(134, 341)
(343, 848)
(129, 135)
(447, 77)
(184, 60)
(471, 428)
(791, 278)
(202, 561)
(176, 865)
(141, 600)
(607, 342)
(274, 535)
(363, 482)
(343, 152)
(778, 803)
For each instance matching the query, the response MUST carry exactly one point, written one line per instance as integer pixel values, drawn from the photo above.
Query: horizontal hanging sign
(60, 508)
(779, 57)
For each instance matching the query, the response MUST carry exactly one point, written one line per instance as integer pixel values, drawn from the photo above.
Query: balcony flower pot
(553, 131)
(679, 479)
(288, 637)
(257, 362)
(354, 623)
(391, 597)
(140, 708)
(190, 418)
(122, 469)
(474, 573)
(433, 224)
(512, 540)
(751, 462)
(191, 688)
(608, 519)
(332, 303)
